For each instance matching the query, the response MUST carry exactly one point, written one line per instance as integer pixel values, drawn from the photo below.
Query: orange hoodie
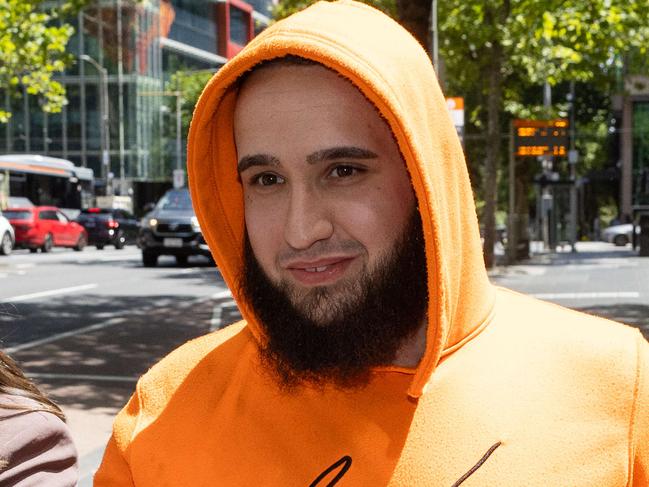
(511, 391)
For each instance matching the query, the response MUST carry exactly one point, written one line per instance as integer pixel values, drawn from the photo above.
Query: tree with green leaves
(32, 50)
(494, 48)
(189, 85)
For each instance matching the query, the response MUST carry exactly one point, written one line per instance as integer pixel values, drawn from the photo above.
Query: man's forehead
(289, 81)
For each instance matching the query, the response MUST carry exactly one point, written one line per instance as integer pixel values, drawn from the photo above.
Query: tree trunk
(414, 15)
(494, 101)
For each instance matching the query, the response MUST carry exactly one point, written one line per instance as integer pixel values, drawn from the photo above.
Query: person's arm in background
(640, 422)
(36, 450)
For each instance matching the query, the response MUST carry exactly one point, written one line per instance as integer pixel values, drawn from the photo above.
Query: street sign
(456, 109)
(179, 178)
(541, 137)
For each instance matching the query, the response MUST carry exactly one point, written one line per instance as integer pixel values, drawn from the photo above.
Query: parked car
(620, 235)
(7, 236)
(44, 227)
(108, 226)
(171, 228)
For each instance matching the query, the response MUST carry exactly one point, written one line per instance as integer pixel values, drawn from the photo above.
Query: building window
(235, 26)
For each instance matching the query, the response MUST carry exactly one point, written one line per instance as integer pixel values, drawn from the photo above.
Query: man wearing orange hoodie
(331, 187)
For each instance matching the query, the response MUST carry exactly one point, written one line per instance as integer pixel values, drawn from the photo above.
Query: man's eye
(267, 179)
(344, 171)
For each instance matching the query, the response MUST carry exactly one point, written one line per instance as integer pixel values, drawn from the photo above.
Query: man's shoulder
(568, 335)
(218, 350)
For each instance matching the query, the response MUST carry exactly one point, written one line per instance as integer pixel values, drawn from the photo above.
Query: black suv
(171, 228)
(108, 226)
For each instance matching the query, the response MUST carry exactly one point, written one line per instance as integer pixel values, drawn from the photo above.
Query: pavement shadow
(101, 353)
(636, 315)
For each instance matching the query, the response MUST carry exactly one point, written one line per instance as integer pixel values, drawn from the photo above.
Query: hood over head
(393, 71)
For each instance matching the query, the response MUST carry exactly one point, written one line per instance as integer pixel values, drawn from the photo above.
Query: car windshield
(84, 217)
(95, 214)
(17, 215)
(176, 200)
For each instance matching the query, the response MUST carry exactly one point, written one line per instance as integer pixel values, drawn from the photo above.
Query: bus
(44, 181)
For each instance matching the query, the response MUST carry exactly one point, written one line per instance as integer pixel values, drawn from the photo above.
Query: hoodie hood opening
(393, 72)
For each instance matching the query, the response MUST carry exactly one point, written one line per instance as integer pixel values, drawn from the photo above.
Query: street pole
(120, 98)
(434, 48)
(179, 99)
(512, 230)
(572, 161)
(105, 127)
(178, 131)
(547, 196)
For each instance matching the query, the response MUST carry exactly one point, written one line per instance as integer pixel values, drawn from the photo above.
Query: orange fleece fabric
(511, 391)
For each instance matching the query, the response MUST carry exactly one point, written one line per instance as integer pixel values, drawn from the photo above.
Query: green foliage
(190, 84)
(284, 8)
(32, 51)
(542, 40)
(497, 51)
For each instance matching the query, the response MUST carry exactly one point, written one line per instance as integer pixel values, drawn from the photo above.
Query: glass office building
(138, 45)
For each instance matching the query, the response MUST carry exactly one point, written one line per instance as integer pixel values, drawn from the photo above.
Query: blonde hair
(14, 383)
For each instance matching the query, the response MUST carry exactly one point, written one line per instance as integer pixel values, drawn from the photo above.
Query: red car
(44, 227)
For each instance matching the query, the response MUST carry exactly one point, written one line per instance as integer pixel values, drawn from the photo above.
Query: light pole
(105, 128)
(179, 100)
(572, 161)
(434, 48)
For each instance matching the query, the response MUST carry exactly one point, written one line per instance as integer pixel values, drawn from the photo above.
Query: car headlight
(148, 222)
(195, 225)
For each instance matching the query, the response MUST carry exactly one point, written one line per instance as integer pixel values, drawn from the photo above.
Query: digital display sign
(541, 137)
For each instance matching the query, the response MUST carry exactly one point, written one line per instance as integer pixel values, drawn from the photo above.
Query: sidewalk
(92, 375)
(592, 252)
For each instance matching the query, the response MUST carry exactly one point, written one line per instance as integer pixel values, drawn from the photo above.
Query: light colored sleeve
(36, 449)
(640, 421)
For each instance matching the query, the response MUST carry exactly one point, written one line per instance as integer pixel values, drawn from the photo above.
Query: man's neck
(412, 350)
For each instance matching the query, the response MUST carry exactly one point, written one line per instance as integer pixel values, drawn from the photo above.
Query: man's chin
(323, 304)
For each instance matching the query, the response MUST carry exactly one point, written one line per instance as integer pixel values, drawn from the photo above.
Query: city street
(85, 325)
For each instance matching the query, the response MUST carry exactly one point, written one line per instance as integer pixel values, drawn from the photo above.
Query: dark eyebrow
(256, 160)
(345, 152)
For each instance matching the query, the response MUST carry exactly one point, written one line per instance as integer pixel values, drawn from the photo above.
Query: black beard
(384, 307)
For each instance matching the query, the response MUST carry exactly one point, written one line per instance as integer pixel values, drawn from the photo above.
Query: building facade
(119, 113)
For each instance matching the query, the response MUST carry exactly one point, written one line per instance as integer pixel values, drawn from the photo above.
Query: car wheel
(621, 240)
(81, 243)
(120, 241)
(99, 246)
(33, 250)
(181, 260)
(6, 245)
(149, 259)
(47, 244)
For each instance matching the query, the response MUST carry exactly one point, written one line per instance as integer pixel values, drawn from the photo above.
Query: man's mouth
(321, 272)
(316, 269)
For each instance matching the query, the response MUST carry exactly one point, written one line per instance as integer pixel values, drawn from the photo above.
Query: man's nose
(308, 220)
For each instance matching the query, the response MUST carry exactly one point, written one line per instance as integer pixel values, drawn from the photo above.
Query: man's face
(327, 195)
